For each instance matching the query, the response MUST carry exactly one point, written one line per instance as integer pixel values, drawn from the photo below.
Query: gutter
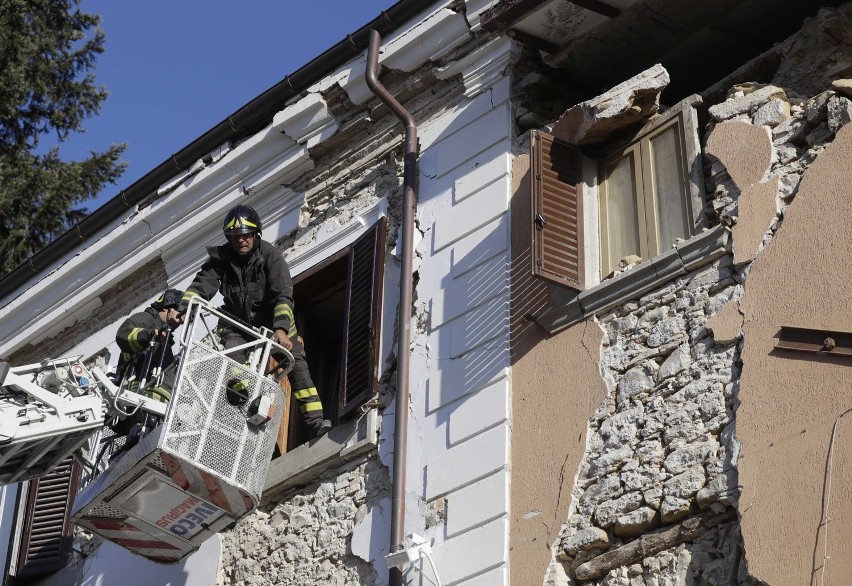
(245, 121)
(409, 199)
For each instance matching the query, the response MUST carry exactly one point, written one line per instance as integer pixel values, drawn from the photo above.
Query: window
(43, 532)
(338, 316)
(648, 196)
(643, 197)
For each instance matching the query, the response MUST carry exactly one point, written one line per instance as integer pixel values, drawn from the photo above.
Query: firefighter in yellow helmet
(255, 282)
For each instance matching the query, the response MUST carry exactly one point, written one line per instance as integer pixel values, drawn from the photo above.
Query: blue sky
(176, 68)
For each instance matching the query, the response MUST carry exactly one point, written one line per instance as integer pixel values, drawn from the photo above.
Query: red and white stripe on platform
(207, 486)
(134, 539)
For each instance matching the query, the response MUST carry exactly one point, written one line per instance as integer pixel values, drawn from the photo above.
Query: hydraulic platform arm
(50, 410)
(185, 469)
(47, 411)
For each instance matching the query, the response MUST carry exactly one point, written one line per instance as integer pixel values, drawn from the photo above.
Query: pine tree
(48, 49)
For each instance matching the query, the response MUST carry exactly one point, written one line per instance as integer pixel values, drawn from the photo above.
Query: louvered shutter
(557, 210)
(48, 533)
(360, 368)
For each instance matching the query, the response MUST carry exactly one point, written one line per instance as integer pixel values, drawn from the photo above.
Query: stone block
(674, 509)
(478, 502)
(772, 113)
(839, 112)
(586, 539)
(690, 455)
(816, 109)
(482, 410)
(634, 382)
(745, 103)
(721, 489)
(475, 458)
(607, 512)
(686, 484)
(842, 86)
(677, 362)
(792, 130)
(637, 522)
(468, 553)
(629, 103)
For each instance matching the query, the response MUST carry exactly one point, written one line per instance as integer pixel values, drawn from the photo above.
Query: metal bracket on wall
(815, 341)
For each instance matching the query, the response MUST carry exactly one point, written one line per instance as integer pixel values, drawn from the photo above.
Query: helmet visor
(237, 230)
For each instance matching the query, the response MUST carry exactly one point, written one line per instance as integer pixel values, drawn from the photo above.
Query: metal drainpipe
(405, 299)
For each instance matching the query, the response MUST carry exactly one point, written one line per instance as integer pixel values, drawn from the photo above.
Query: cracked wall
(307, 537)
(796, 459)
(716, 458)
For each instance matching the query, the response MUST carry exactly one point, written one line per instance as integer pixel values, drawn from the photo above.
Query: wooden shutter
(47, 530)
(557, 210)
(362, 319)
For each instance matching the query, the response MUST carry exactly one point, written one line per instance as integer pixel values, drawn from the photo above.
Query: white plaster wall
(112, 564)
(459, 428)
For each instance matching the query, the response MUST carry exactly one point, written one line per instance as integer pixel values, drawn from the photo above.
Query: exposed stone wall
(656, 495)
(306, 537)
(660, 447)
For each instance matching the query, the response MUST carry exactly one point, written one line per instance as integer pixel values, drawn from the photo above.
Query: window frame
(43, 533)
(645, 189)
(341, 402)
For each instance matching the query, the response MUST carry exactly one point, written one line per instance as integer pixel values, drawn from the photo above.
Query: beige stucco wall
(556, 388)
(790, 401)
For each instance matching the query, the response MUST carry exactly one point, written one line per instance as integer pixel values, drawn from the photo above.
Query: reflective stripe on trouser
(303, 387)
(304, 390)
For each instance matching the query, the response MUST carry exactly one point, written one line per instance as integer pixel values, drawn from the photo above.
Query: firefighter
(134, 338)
(255, 282)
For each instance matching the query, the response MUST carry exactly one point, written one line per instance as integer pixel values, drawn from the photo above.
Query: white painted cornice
(306, 121)
(427, 37)
(481, 68)
(177, 227)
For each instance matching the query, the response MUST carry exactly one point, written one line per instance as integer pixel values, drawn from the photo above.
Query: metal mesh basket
(202, 426)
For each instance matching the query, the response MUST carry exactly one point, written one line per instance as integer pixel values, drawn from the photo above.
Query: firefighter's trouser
(302, 386)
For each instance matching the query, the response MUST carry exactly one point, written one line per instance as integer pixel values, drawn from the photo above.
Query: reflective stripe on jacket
(257, 289)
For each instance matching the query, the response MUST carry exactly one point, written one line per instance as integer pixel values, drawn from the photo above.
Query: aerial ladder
(199, 464)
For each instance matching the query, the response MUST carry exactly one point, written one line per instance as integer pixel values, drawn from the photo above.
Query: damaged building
(630, 345)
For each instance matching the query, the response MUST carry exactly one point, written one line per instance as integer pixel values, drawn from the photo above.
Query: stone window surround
(302, 465)
(685, 111)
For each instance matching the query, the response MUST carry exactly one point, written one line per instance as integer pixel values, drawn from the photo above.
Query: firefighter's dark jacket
(257, 289)
(135, 333)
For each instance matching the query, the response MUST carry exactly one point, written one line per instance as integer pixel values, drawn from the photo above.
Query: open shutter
(47, 530)
(557, 210)
(360, 368)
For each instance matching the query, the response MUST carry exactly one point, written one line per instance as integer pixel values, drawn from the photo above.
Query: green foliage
(47, 89)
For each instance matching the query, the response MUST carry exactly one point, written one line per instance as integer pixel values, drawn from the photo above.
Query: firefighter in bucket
(254, 280)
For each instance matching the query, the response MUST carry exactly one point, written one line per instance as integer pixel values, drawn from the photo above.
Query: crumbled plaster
(745, 151)
(727, 325)
(756, 210)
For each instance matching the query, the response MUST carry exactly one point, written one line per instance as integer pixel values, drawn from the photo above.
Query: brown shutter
(47, 530)
(557, 210)
(360, 368)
